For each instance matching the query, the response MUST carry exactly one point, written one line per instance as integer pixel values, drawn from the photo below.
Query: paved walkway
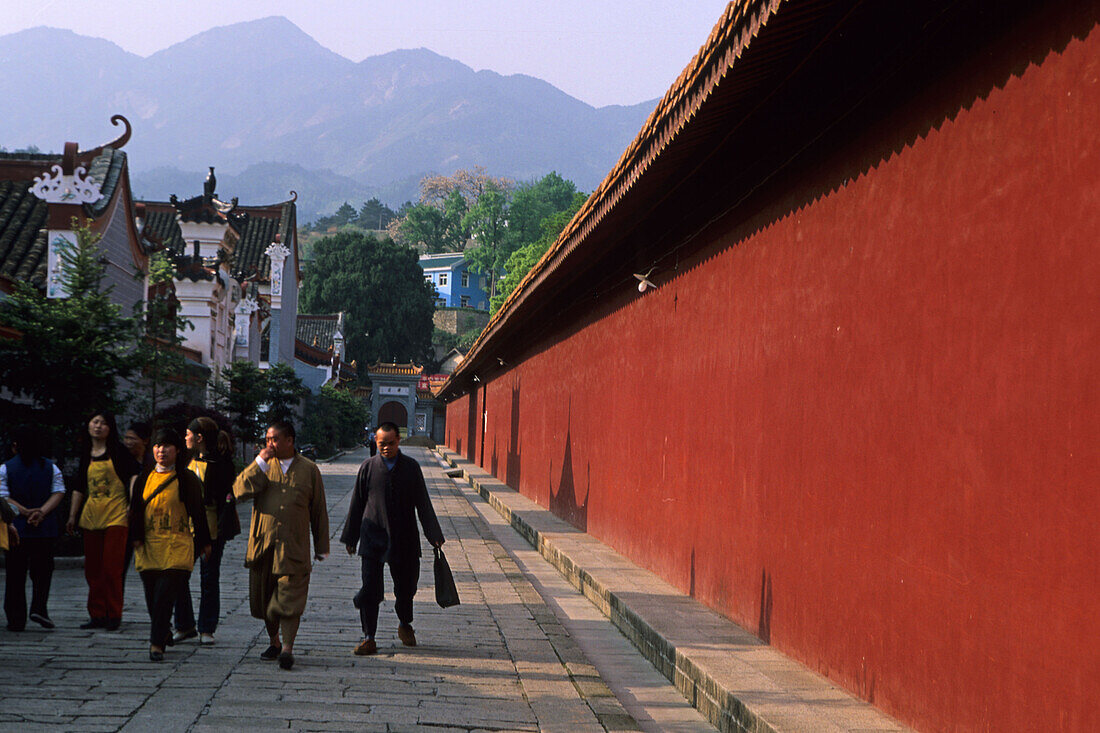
(516, 655)
(738, 682)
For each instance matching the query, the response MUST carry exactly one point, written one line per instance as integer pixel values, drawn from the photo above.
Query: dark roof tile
(22, 233)
(317, 330)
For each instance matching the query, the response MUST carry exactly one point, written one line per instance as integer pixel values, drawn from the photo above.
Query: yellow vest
(106, 503)
(169, 544)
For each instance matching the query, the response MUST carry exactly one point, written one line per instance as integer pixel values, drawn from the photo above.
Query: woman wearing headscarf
(168, 528)
(103, 484)
(212, 462)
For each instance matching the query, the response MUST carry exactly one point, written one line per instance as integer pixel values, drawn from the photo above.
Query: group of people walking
(139, 500)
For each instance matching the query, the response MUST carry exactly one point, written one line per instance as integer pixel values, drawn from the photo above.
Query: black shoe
(271, 653)
(156, 656)
(16, 629)
(286, 660)
(112, 624)
(406, 634)
(94, 623)
(42, 620)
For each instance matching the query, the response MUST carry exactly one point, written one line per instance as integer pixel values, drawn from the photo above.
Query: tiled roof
(23, 217)
(447, 259)
(106, 170)
(255, 227)
(317, 330)
(409, 369)
(161, 227)
(22, 233)
(257, 232)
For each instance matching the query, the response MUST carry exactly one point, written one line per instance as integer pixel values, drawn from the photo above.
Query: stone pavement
(506, 659)
(736, 681)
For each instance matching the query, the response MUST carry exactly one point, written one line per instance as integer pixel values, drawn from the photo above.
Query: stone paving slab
(735, 680)
(501, 661)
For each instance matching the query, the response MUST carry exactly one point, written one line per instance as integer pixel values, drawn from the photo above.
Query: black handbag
(446, 594)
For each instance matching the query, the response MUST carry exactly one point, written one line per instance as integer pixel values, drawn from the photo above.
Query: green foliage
(72, 352)
(521, 261)
(254, 398)
(372, 215)
(467, 338)
(487, 221)
(436, 228)
(240, 391)
(334, 419)
(532, 203)
(382, 289)
(375, 215)
(282, 392)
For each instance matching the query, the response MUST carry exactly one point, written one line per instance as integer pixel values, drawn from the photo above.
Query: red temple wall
(865, 429)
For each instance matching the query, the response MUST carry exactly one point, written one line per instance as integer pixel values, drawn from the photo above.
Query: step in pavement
(735, 680)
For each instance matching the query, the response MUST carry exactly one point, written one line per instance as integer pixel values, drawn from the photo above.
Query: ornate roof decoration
(409, 369)
(66, 188)
(89, 178)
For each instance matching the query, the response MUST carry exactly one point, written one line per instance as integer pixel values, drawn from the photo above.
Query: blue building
(456, 286)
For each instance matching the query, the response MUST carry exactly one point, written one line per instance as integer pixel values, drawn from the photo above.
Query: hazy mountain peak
(251, 43)
(264, 90)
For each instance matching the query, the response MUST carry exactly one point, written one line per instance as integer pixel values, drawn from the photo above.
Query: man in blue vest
(34, 487)
(389, 495)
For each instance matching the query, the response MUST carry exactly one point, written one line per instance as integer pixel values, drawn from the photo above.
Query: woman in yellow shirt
(105, 476)
(168, 528)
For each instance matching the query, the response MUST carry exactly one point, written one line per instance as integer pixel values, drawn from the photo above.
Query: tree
(70, 354)
(375, 215)
(487, 221)
(436, 228)
(334, 419)
(282, 392)
(240, 392)
(381, 287)
(534, 202)
(521, 261)
(254, 398)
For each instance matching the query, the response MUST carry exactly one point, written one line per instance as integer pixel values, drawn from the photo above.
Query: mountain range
(272, 109)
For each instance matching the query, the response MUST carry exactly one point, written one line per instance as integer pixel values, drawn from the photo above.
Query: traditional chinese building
(40, 194)
(319, 352)
(400, 394)
(237, 273)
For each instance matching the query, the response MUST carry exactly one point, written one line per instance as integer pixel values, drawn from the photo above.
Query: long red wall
(867, 430)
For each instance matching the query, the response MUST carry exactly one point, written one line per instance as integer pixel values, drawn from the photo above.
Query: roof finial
(210, 186)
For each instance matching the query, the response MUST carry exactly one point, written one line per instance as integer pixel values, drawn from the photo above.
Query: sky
(599, 51)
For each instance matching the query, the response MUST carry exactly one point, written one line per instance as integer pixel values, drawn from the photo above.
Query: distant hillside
(246, 95)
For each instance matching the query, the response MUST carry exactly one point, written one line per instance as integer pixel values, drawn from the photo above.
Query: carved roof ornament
(115, 144)
(66, 188)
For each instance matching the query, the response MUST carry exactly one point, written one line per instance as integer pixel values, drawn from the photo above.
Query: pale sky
(599, 51)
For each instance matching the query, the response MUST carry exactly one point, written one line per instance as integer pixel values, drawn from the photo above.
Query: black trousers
(405, 573)
(33, 555)
(161, 589)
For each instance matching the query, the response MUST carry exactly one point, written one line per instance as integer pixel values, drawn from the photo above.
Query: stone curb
(734, 680)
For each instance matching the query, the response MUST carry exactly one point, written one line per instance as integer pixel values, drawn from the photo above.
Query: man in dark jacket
(389, 494)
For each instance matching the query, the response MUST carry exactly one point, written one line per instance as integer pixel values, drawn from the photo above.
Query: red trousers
(104, 565)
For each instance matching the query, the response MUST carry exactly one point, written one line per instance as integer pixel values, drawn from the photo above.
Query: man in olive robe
(289, 505)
